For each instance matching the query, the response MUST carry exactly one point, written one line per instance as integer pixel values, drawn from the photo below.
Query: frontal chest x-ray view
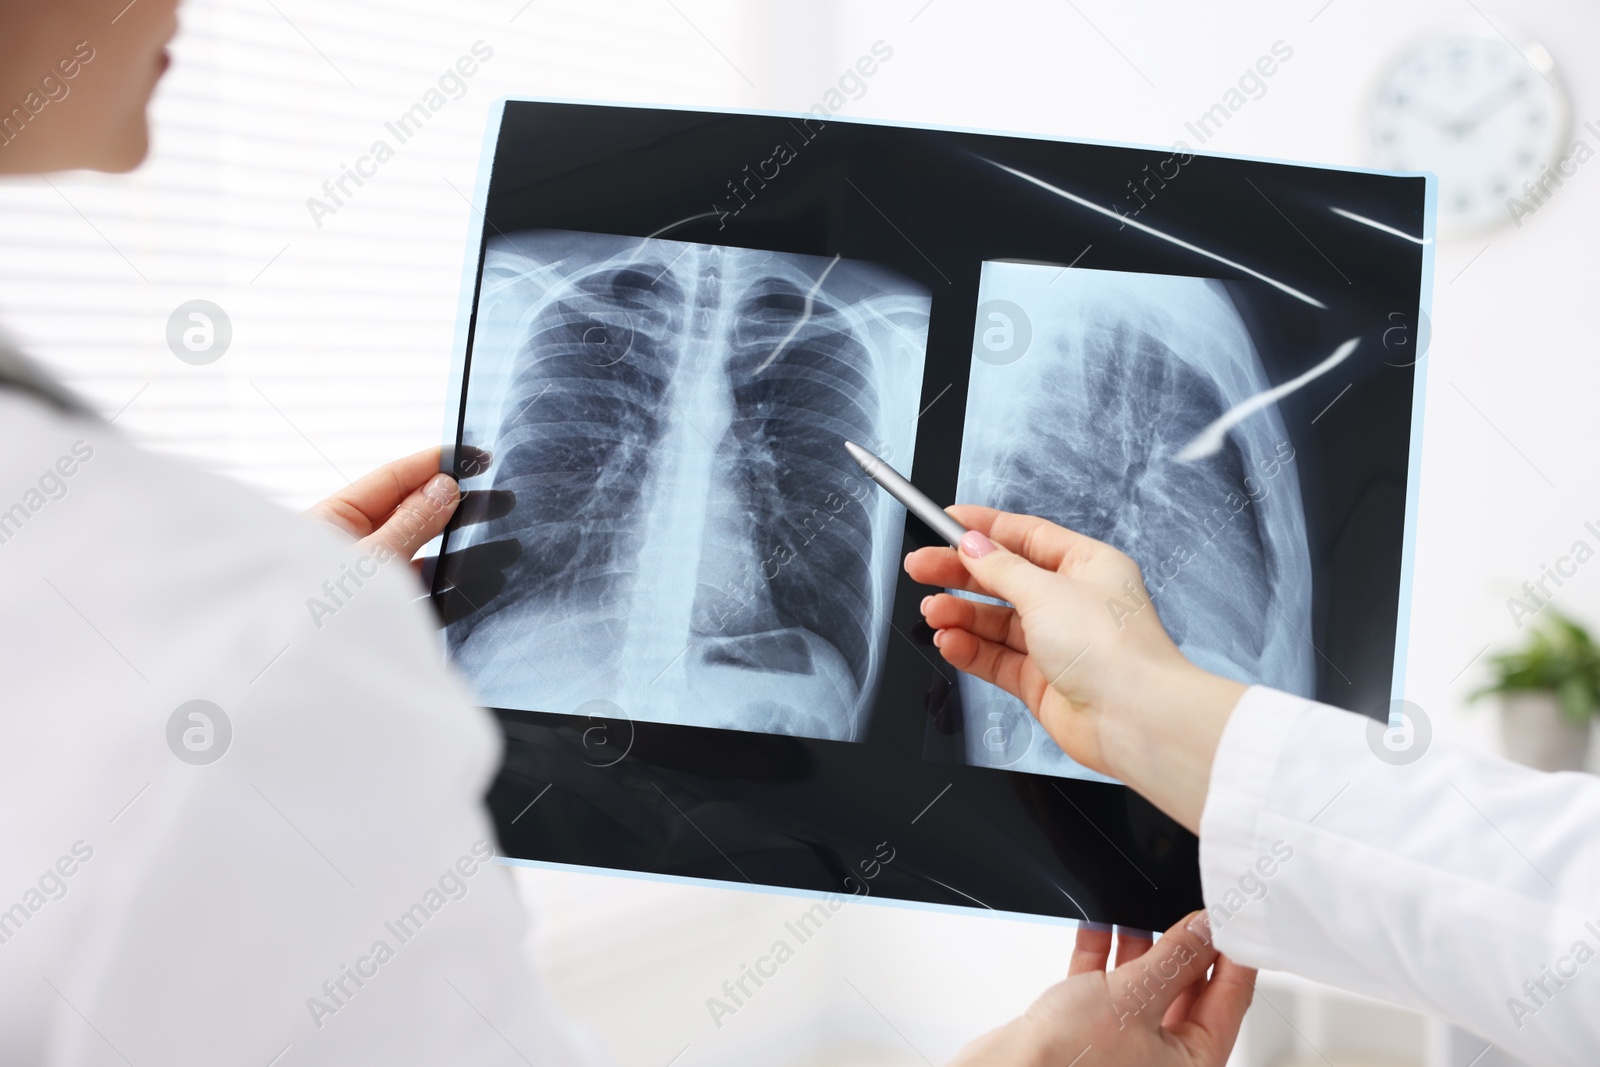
(691, 542)
(1086, 388)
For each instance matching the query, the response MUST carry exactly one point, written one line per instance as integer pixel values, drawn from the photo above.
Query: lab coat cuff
(1234, 850)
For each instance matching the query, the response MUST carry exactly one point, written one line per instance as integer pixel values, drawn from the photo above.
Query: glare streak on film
(1209, 440)
(1376, 225)
(805, 316)
(1152, 231)
(673, 226)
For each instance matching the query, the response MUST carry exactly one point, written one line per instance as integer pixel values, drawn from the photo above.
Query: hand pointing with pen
(1081, 645)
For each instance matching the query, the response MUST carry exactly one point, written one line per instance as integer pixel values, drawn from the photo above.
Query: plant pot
(1534, 731)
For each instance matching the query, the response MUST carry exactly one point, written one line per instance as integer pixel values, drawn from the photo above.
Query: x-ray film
(685, 604)
(1086, 388)
(692, 543)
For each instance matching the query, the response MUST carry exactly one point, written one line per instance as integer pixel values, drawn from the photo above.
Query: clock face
(1482, 116)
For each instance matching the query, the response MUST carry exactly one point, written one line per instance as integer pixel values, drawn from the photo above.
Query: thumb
(1003, 573)
(418, 519)
(1156, 979)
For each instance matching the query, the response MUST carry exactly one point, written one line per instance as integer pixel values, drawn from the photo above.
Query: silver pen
(909, 495)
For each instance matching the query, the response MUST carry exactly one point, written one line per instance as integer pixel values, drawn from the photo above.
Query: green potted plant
(1549, 692)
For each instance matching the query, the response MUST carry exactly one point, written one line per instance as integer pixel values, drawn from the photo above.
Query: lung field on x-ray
(1108, 465)
(695, 544)
(1120, 372)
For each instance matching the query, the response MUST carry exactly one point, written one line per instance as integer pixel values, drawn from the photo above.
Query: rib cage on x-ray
(696, 545)
(1122, 371)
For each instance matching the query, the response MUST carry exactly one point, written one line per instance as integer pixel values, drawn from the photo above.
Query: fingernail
(975, 544)
(441, 489)
(938, 638)
(1200, 926)
(924, 606)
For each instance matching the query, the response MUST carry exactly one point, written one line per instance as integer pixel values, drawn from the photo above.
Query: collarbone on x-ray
(1122, 371)
(696, 546)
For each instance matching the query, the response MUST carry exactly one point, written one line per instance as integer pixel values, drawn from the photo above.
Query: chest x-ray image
(692, 543)
(1086, 386)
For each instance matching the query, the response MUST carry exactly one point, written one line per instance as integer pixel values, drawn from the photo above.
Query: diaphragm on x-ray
(693, 545)
(1085, 386)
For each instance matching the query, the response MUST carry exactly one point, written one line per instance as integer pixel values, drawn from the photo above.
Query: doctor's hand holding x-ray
(1177, 1003)
(1461, 885)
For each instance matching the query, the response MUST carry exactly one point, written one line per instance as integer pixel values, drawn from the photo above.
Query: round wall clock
(1489, 117)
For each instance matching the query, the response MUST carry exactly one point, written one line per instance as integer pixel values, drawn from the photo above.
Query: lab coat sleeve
(1460, 885)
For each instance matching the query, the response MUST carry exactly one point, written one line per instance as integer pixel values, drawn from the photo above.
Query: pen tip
(864, 459)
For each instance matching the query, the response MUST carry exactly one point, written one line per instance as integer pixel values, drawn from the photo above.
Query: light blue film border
(469, 285)
(1419, 393)
(469, 276)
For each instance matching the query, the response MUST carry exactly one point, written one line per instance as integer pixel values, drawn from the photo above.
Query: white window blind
(341, 333)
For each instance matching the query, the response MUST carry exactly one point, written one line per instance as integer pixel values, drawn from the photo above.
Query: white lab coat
(158, 912)
(1461, 885)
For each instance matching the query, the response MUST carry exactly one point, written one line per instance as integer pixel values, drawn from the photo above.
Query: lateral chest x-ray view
(1083, 417)
(695, 547)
